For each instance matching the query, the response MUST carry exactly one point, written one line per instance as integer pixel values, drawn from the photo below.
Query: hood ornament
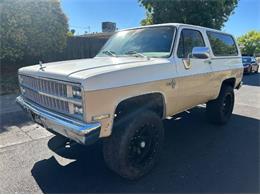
(41, 66)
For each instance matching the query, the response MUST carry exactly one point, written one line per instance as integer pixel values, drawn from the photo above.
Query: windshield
(246, 59)
(150, 42)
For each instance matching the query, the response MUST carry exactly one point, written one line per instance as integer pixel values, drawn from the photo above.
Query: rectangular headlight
(76, 92)
(78, 110)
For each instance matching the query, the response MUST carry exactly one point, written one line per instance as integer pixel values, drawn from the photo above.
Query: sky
(87, 15)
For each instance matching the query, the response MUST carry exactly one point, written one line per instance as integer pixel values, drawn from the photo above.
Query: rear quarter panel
(224, 67)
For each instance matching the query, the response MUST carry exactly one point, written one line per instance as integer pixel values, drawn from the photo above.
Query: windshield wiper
(109, 53)
(135, 53)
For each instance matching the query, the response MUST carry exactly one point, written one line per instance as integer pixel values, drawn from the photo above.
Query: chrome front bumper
(83, 133)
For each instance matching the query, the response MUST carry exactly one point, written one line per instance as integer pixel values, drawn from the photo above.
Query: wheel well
(231, 82)
(153, 102)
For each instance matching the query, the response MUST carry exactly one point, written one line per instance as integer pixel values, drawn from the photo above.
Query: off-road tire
(219, 111)
(121, 149)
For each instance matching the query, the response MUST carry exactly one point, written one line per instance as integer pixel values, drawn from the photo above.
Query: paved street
(198, 157)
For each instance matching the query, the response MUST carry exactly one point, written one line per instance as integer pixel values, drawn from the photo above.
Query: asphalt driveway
(198, 157)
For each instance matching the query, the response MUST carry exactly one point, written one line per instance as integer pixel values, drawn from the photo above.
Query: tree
(250, 43)
(71, 33)
(208, 13)
(31, 28)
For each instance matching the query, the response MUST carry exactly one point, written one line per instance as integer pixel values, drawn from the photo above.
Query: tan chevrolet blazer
(141, 76)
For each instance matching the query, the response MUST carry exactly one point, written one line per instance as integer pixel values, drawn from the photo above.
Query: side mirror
(200, 52)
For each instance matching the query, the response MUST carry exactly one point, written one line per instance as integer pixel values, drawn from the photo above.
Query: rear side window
(222, 44)
(188, 39)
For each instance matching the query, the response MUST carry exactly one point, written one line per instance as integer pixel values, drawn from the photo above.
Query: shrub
(31, 28)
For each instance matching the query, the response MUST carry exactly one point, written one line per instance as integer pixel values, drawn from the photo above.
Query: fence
(83, 47)
(79, 47)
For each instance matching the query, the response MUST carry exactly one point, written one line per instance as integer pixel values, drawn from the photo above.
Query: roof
(177, 25)
(99, 34)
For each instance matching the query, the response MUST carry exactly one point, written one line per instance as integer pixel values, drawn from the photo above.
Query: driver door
(193, 82)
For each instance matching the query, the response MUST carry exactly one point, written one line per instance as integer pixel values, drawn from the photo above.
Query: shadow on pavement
(18, 119)
(252, 79)
(198, 158)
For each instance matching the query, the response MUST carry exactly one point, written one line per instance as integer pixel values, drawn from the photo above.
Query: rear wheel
(133, 149)
(220, 110)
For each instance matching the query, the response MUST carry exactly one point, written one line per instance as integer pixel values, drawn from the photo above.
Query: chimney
(108, 27)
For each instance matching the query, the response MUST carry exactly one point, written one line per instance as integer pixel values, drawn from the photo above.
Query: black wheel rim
(227, 105)
(143, 146)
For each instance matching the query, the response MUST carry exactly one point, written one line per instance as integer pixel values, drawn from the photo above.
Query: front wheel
(220, 110)
(133, 148)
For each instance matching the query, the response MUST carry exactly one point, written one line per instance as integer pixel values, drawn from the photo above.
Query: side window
(222, 44)
(189, 39)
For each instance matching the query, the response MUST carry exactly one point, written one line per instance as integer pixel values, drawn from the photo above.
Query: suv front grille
(51, 94)
(46, 86)
(48, 102)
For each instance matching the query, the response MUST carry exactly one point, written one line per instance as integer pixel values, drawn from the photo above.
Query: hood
(70, 70)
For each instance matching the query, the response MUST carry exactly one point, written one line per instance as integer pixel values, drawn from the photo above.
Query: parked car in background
(250, 64)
